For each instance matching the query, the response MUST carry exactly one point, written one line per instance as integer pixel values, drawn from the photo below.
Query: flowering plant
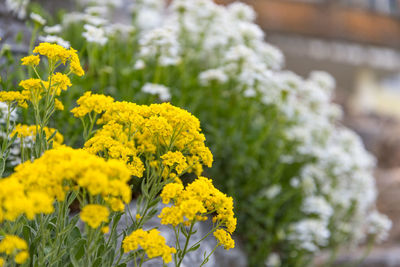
(153, 146)
(301, 181)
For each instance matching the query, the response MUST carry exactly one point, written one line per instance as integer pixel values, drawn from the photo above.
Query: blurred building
(357, 41)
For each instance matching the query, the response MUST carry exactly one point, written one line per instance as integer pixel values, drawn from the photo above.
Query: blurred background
(358, 42)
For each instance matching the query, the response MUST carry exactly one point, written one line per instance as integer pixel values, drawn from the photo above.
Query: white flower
(97, 10)
(273, 260)
(73, 17)
(212, 75)
(271, 55)
(111, 3)
(13, 157)
(53, 29)
(157, 89)
(148, 19)
(242, 11)
(324, 79)
(37, 18)
(54, 39)
(4, 111)
(17, 7)
(379, 225)
(95, 20)
(272, 192)
(250, 32)
(317, 205)
(249, 92)
(161, 44)
(139, 65)
(119, 28)
(310, 234)
(94, 34)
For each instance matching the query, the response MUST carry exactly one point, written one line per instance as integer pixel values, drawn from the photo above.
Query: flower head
(94, 215)
(151, 242)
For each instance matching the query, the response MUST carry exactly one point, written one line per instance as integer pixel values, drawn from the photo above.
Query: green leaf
(26, 233)
(75, 233)
(154, 202)
(79, 249)
(194, 248)
(98, 262)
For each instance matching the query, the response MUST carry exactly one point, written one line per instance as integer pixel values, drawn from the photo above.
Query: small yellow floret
(94, 215)
(152, 243)
(224, 238)
(32, 60)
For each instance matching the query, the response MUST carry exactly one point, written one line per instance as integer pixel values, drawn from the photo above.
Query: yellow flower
(91, 102)
(171, 191)
(21, 257)
(11, 244)
(58, 104)
(94, 215)
(30, 60)
(196, 201)
(16, 200)
(171, 215)
(39, 202)
(130, 130)
(59, 82)
(138, 216)
(23, 131)
(32, 188)
(33, 88)
(175, 159)
(13, 96)
(53, 52)
(2, 262)
(224, 238)
(75, 64)
(151, 242)
(105, 229)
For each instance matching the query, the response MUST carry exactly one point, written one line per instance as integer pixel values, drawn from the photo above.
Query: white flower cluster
(17, 7)
(339, 179)
(157, 89)
(97, 17)
(160, 44)
(14, 156)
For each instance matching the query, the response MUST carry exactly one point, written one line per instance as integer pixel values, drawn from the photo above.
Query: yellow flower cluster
(23, 131)
(57, 53)
(130, 131)
(113, 142)
(14, 97)
(94, 215)
(195, 202)
(16, 200)
(62, 169)
(176, 160)
(34, 89)
(92, 102)
(31, 60)
(152, 243)
(224, 238)
(13, 245)
(60, 82)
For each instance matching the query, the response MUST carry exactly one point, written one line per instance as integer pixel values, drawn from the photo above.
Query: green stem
(186, 244)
